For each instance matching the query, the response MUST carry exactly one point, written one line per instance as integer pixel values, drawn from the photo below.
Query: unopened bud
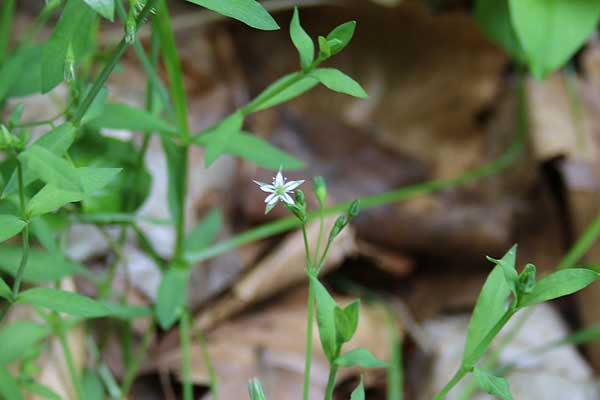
(340, 223)
(320, 189)
(6, 139)
(527, 279)
(69, 69)
(255, 390)
(354, 209)
(324, 48)
(298, 211)
(130, 29)
(300, 200)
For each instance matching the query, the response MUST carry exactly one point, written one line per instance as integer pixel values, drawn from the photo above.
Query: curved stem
(212, 374)
(331, 382)
(309, 339)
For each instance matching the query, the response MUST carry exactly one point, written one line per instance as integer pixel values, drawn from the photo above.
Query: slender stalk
(134, 365)
(331, 382)
(75, 378)
(186, 362)
(582, 245)
(319, 236)
(24, 232)
(453, 382)
(309, 339)
(212, 374)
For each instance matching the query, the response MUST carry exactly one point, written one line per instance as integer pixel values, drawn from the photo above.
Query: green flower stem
(333, 368)
(320, 236)
(212, 374)
(24, 232)
(186, 361)
(582, 245)
(309, 339)
(108, 68)
(75, 377)
(453, 382)
(134, 365)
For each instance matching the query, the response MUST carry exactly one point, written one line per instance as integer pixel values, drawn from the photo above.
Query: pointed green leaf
(359, 357)
(302, 42)
(325, 319)
(202, 235)
(51, 198)
(63, 301)
(282, 90)
(249, 12)
(9, 386)
(346, 321)
(95, 179)
(72, 28)
(172, 297)
(324, 47)
(44, 234)
(92, 386)
(18, 337)
(494, 385)
(105, 8)
(339, 37)
(507, 263)
(10, 72)
(127, 312)
(97, 107)
(29, 80)
(551, 31)
(337, 81)
(493, 18)
(558, 284)
(5, 291)
(359, 392)
(217, 138)
(38, 262)
(489, 309)
(42, 391)
(261, 152)
(175, 163)
(51, 168)
(126, 117)
(10, 226)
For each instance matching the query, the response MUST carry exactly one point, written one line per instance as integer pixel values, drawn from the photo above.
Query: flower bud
(300, 200)
(340, 223)
(6, 139)
(130, 29)
(255, 390)
(298, 211)
(320, 189)
(354, 209)
(527, 279)
(69, 68)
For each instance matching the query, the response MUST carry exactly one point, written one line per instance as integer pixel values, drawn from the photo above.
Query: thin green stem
(582, 245)
(309, 339)
(134, 365)
(319, 236)
(323, 256)
(75, 378)
(453, 382)
(212, 374)
(331, 382)
(24, 232)
(186, 361)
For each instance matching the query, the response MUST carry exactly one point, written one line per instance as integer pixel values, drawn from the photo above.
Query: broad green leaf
(10, 226)
(95, 179)
(51, 168)
(249, 12)
(93, 389)
(105, 8)
(125, 311)
(261, 152)
(359, 357)
(172, 297)
(339, 37)
(126, 117)
(507, 263)
(5, 291)
(558, 284)
(63, 301)
(51, 198)
(97, 106)
(73, 28)
(42, 267)
(29, 80)
(494, 385)
(9, 386)
(203, 234)
(18, 337)
(282, 90)
(10, 72)
(325, 319)
(493, 18)
(40, 390)
(57, 141)
(551, 31)
(337, 81)
(302, 42)
(346, 321)
(489, 309)
(44, 234)
(217, 138)
(359, 392)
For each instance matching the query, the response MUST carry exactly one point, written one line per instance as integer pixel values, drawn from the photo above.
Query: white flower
(279, 190)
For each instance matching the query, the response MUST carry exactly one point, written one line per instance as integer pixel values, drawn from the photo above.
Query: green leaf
(51, 198)
(493, 18)
(95, 179)
(97, 106)
(5, 291)
(29, 80)
(42, 267)
(9, 386)
(249, 12)
(63, 301)
(324, 47)
(127, 312)
(44, 233)
(325, 319)
(359, 357)
(10, 72)
(105, 8)
(42, 391)
(217, 138)
(10, 226)
(93, 389)
(339, 37)
(261, 152)
(172, 297)
(558, 284)
(337, 81)
(203, 234)
(494, 385)
(346, 321)
(51, 168)
(489, 309)
(302, 42)
(57, 141)
(175, 163)
(359, 392)
(18, 337)
(282, 90)
(73, 28)
(551, 31)
(126, 117)
(507, 263)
